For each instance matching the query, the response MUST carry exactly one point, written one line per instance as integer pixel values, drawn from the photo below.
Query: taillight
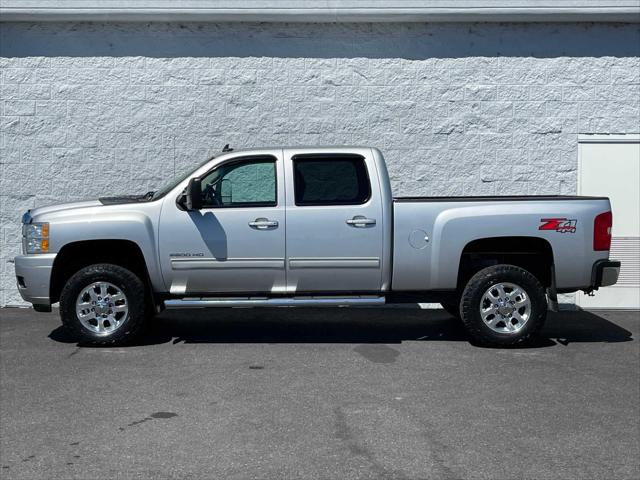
(602, 231)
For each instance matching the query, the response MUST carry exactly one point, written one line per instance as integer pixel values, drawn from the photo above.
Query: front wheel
(503, 305)
(103, 304)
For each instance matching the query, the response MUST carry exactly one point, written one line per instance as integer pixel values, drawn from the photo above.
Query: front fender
(119, 222)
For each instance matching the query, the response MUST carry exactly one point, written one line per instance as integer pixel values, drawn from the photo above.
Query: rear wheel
(503, 305)
(103, 304)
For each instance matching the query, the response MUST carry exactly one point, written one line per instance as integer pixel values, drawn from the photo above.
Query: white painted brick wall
(89, 110)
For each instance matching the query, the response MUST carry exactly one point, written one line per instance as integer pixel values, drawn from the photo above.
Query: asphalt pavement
(320, 393)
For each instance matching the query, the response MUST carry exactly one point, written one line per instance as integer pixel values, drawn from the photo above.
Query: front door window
(245, 183)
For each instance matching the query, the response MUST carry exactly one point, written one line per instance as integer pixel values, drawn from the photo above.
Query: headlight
(35, 237)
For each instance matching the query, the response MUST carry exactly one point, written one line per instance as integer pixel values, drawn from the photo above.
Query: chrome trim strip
(338, 262)
(225, 264)
(275, 302)
(178, 287)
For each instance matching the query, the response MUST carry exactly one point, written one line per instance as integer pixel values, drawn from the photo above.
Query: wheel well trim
(535, 238)
(55, 289)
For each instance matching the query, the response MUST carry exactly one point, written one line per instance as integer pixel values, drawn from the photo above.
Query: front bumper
(605, 273)
(33, 275)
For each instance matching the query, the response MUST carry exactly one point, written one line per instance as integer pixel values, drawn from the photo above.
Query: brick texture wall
(458, 109)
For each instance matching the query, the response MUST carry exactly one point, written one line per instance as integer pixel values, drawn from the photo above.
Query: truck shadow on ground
(358, 326)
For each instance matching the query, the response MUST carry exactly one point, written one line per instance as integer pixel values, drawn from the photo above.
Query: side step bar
(274, 302)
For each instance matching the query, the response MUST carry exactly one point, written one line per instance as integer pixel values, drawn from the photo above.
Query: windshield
(173, 183)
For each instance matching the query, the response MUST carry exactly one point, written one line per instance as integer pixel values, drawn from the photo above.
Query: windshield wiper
(148, 195)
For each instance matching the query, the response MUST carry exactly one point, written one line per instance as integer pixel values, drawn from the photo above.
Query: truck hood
(63, 206)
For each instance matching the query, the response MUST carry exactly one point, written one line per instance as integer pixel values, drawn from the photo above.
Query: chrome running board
(274, 302)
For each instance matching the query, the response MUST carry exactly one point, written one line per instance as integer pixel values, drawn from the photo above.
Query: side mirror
(193, 195)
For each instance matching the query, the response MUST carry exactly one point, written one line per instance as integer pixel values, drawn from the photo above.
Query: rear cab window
(330, 180)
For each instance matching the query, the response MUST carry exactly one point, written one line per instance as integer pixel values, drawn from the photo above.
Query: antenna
(227, 148)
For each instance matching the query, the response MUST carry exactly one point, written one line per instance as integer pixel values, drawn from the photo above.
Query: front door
(236, 242)
(334, 223)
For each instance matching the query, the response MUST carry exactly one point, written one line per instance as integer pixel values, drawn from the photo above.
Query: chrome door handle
(360, 221)
(263, 223)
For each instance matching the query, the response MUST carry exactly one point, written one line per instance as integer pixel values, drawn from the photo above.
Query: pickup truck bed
(456, 227)
(496, 198)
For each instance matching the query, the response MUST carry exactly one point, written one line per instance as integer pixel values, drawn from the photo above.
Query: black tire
(452, 309)
(128, 282)
(474, 292)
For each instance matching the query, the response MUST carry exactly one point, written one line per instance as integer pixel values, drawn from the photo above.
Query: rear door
(334, 236)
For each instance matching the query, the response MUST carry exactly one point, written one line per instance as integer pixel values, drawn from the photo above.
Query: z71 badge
(562, 225)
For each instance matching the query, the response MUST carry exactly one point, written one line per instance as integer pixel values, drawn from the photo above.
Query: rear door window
(331, 180)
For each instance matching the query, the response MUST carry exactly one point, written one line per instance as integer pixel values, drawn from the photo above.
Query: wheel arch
(534, 254)
(76, 255)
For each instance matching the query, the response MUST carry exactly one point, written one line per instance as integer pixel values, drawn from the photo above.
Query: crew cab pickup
(310, 227)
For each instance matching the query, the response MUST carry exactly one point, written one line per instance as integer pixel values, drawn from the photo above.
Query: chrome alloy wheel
(505, 308)
(102, 308)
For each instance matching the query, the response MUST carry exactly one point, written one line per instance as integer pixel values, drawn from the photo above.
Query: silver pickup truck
(310, 227)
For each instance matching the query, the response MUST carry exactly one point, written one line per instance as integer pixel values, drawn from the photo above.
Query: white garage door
(609, 165)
